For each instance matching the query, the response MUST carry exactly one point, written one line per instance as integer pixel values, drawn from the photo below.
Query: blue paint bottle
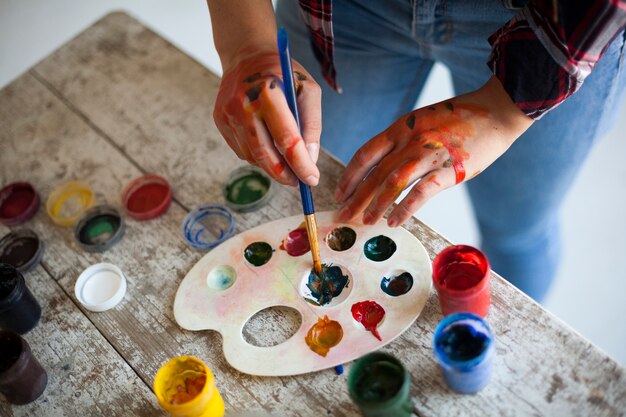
(464, 348)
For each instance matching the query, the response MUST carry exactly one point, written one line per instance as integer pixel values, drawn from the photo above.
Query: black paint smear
(298, 89)
(432, 108)
(300, 76)
(253, 93)
(273, 84)
(431, 146)
(448, 163)
(252, 78)
(449, 106)
(410, 121)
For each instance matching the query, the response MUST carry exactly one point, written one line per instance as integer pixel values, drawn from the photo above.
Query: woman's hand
(252, 114)
(439, 145)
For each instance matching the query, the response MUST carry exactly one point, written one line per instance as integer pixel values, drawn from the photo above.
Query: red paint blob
(18, 203)
(369, 314)
(461, 278)
(147, 197)
(297, 242)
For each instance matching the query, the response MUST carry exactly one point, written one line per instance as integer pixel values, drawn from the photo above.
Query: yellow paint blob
(324, 335)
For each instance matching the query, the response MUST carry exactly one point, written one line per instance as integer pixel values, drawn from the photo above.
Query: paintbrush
(305, 190)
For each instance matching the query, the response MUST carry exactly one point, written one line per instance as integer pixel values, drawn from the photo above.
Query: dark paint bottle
(22, 378)
(19, 310)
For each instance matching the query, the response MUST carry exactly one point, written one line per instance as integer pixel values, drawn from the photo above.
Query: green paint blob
(247, 189)
(341, 238)
(379, 248)
(99, 229)
(379, 381)
(258, 253)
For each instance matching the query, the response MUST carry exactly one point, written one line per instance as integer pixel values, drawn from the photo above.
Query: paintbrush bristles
(311, 231)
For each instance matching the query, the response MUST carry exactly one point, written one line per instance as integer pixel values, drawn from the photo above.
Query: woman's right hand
(252, 114)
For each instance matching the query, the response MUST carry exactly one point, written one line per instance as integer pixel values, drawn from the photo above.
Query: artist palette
(387, 266)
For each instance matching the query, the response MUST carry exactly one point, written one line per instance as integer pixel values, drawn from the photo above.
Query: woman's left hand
(439, 145)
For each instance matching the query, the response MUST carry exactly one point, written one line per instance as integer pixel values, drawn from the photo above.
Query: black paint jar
(22, 378)
(19, 310)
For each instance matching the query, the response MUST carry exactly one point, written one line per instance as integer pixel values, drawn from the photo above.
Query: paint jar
(19, 310)
(68, 202)
(21, 249)
(18, 203)
(464, 347)
(22, 378)
(147, 197)
(247, 189)
(185, 387)
(205, 227)
(379, 385)
(99, 228)
(461, 277)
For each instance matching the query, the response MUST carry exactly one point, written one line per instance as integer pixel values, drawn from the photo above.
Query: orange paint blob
(324, 335)
(193, 387)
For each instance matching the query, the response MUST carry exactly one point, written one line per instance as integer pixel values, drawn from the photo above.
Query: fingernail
(343, 214)
(314, 151)
(392, 222)
(312, 180)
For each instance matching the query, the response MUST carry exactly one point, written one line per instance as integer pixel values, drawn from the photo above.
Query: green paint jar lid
(99, 228)
(247, 189)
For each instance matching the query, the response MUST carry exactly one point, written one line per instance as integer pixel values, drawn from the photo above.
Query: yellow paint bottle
(185, 387)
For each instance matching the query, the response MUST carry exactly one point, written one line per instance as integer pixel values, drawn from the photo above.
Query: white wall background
(590, 291)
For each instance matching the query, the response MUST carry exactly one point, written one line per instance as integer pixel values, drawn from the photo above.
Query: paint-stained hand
(438, 146)
(252, 114)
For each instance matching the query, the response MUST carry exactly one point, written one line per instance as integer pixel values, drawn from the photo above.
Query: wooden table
(119, 101)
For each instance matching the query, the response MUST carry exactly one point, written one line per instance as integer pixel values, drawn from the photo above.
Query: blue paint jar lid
(99, 228)
(207, 226)
(477, 328)
(21, 249)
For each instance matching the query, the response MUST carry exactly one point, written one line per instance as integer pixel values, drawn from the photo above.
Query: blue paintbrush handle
(289, 88)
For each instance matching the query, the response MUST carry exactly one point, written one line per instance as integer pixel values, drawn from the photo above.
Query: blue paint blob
(396, 285)
(464, 347)
(327, 285)
(339, 369)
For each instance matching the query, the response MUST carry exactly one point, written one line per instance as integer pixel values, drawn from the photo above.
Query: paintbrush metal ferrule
(311, 230)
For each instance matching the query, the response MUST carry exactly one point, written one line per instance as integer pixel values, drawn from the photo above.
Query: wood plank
(154, 104)
(84, 371)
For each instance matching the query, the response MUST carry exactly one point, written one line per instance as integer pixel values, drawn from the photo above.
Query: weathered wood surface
(118, 101)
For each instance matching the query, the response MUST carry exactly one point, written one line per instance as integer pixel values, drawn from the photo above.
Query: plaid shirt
(565, 39)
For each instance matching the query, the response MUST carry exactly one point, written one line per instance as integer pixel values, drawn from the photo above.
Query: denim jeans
(384, 51)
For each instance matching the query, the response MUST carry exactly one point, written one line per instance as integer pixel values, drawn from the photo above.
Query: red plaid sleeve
(543, 55)
(317, 16)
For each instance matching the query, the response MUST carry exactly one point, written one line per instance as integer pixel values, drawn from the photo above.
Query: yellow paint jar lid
(68, 202)
(185, 387)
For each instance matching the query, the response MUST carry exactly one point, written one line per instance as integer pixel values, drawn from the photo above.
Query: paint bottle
(247, 189)
(185, 387)
(464, 347)
(19, 202)
(19, 310)
(379, 385)
(21, 249)
(461, 277)
(22, 378)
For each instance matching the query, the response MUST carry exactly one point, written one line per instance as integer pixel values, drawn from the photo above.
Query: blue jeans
(384, 51)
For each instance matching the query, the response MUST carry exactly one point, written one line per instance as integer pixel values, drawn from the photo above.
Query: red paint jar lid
(147, 197)
(18, 203)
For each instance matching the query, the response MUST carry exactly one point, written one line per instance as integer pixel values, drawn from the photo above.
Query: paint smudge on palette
(296, 243)
(221, 277)
(369, 314)
(327, 285)
(258, 253)
(397, 284)
(341, 239)
(324, 335)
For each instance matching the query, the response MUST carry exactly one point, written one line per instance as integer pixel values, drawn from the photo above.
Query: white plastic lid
(100, 287)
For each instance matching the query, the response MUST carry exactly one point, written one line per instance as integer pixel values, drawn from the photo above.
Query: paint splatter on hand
(252, 114)
(435, 147)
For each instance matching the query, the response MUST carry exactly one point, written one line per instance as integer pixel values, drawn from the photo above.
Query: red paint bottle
(461, 277)
(22, 378)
